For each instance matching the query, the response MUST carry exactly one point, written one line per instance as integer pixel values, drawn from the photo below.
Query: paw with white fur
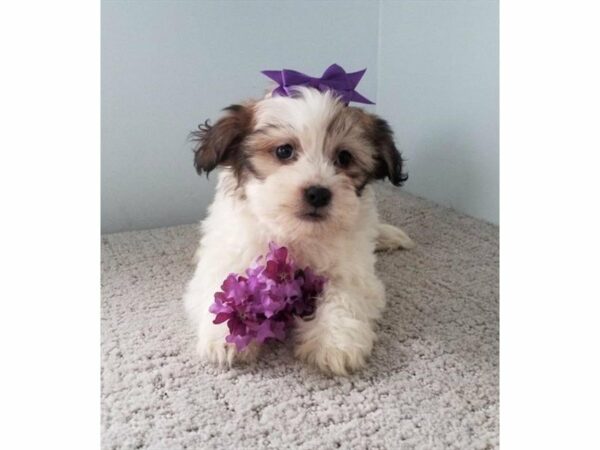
(390, 237)
(334, 342)
(213, 348)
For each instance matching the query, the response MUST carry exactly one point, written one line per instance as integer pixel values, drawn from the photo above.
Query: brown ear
(389, 160)
(219, 144)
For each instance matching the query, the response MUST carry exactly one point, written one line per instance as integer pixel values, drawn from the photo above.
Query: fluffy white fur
(241, 222)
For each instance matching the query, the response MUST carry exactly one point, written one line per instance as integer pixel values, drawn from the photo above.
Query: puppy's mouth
(313, 215)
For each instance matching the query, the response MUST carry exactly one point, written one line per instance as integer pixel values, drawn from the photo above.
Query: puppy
(298, 171)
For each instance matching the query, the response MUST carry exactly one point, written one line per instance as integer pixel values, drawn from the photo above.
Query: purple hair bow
(334, 79)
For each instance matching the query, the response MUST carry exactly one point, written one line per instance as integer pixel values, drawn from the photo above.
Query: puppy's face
(301, 162)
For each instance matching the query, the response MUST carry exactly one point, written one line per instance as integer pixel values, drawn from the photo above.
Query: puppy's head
(302, 162)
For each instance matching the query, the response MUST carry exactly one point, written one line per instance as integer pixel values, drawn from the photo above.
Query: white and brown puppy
(298, 171)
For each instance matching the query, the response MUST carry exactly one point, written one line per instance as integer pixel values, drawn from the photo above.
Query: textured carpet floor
(432, 381)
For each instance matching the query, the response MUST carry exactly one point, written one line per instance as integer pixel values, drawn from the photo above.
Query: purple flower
(262, 304)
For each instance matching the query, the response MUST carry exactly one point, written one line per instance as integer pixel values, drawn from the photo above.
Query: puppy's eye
(343, 158)
(284, 152)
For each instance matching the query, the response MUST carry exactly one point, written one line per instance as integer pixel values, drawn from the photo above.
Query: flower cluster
(263, 303)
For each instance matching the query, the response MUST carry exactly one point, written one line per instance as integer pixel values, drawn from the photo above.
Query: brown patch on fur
(389, 160)
(221, 143)
(261, 145)
(342, 127)
(370, 140)
(359, 133)
(340, 124)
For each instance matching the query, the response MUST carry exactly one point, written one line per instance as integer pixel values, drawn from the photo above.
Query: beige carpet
(432, 381)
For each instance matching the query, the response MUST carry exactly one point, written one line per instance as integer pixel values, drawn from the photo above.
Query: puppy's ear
(388, 158)
(219, 144)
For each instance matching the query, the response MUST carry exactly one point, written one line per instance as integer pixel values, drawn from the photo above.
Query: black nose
(317, 196)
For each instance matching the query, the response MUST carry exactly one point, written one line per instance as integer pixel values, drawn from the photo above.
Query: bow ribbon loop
(333, 79)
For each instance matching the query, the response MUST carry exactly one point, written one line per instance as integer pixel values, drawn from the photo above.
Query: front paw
(337, 353)
(219, 352)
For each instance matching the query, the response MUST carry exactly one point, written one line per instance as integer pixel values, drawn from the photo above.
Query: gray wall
(167, 66)
(438, 87)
